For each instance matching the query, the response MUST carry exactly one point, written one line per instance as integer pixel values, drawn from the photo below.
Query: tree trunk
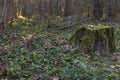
(97, 39)
(98, 9)
(67, 8)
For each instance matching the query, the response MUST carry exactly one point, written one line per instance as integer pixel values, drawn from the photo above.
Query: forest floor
(34, 53)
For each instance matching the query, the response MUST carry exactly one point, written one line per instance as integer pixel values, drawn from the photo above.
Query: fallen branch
(69, 26)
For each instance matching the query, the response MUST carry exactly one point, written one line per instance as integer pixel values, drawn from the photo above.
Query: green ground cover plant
(34, 53)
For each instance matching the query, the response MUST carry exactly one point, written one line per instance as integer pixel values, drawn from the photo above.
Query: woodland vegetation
(59, 40)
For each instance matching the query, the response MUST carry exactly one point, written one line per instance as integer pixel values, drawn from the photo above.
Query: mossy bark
(98, 39)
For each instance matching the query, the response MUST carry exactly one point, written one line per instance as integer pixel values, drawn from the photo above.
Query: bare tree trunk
(4, 13)
(67, 8)
(98, 9)
(112, 10)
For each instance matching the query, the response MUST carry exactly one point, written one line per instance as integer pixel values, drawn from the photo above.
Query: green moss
(98, 37)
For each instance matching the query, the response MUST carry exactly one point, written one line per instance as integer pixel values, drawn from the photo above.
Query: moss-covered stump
(95, 38)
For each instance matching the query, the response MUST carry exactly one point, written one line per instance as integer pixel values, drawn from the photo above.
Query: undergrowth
(31, 53)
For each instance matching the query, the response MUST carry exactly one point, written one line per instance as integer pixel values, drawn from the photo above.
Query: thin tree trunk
(67, 8)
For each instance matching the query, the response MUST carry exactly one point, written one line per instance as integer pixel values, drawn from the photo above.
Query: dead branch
(77, 23)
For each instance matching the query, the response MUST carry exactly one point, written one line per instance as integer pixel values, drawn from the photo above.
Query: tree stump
(97, 38)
